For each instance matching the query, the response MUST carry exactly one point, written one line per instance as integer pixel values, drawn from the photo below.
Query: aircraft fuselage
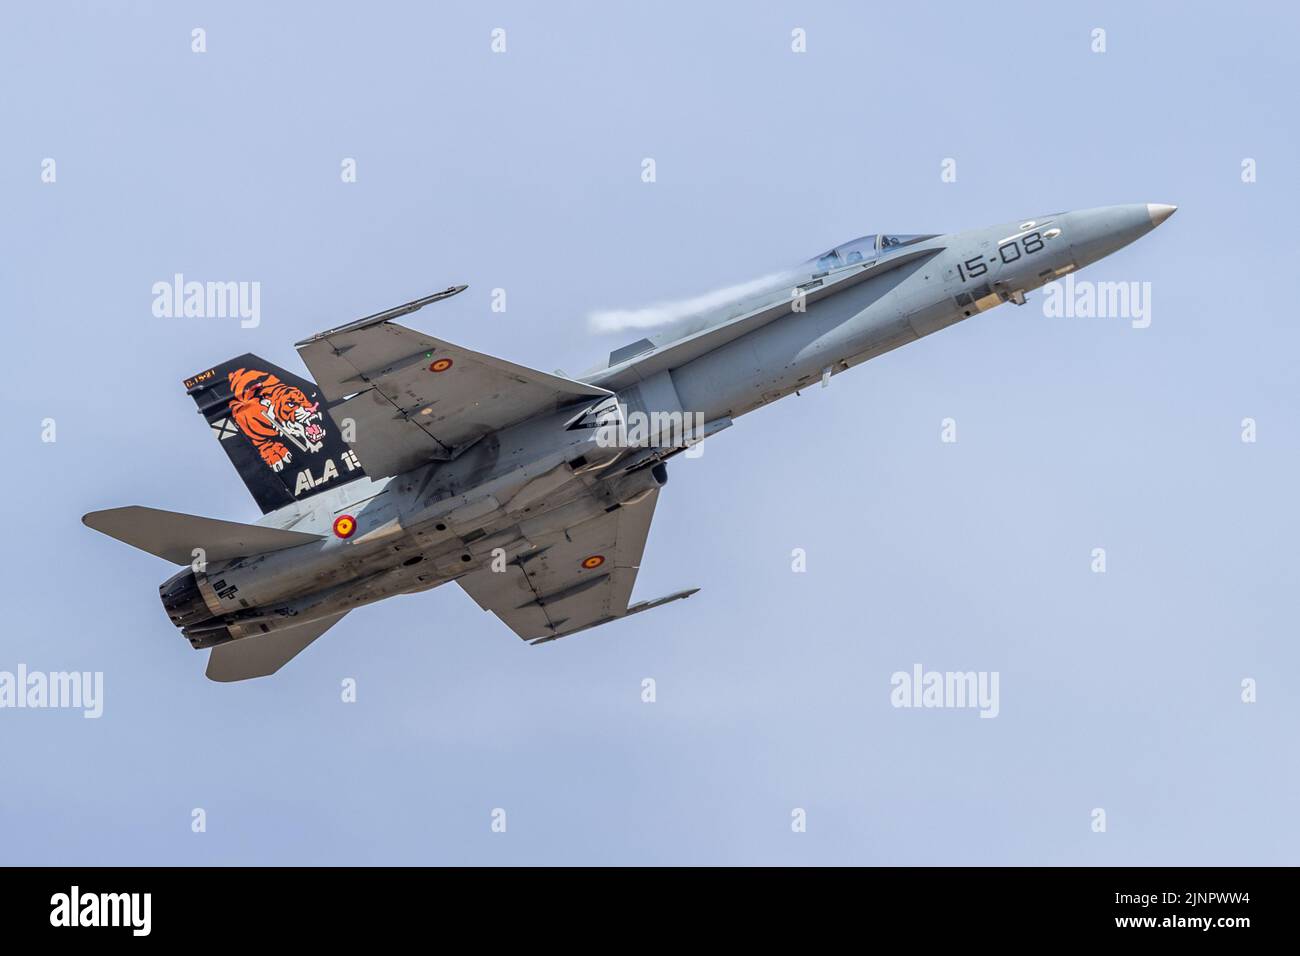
(445, 519)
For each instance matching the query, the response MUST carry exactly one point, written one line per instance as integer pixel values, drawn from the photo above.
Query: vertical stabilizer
(275, 429)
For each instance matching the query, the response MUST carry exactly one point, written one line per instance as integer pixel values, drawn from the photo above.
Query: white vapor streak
(666, 313)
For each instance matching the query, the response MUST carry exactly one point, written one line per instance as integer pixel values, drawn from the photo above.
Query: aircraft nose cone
(1159, 212)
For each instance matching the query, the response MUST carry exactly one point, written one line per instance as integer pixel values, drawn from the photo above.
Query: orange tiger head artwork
(270, 413)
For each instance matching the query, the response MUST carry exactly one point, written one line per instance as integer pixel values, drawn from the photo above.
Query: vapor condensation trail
(667, 313)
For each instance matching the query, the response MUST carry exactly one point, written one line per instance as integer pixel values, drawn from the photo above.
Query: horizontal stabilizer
(174, 536)
(264, 654)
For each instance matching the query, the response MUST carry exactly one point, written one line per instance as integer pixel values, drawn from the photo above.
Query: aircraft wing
(415, 398)
(572, 580)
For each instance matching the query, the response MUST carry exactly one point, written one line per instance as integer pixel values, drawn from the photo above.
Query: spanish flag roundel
(345, 525)
(595, 561)
(441, 365)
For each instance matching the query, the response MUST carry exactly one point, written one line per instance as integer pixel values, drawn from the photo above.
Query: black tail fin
(275, 429)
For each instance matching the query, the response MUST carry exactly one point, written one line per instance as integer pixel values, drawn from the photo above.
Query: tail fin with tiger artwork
(275, 428)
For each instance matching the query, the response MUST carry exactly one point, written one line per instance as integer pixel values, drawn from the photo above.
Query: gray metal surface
(526, 487)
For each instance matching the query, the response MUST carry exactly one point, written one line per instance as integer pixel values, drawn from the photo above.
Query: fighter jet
(410, 462)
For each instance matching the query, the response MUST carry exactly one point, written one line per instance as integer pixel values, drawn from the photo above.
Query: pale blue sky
(522, 171)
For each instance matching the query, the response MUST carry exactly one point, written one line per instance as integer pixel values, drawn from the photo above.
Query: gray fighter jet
(411, 462)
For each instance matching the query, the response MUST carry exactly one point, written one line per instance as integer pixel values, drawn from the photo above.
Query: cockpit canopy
(861, 249)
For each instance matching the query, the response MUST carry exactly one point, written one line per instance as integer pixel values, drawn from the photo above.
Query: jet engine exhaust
(182, 601)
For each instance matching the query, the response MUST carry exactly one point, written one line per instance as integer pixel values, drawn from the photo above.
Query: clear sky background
(521, 171)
